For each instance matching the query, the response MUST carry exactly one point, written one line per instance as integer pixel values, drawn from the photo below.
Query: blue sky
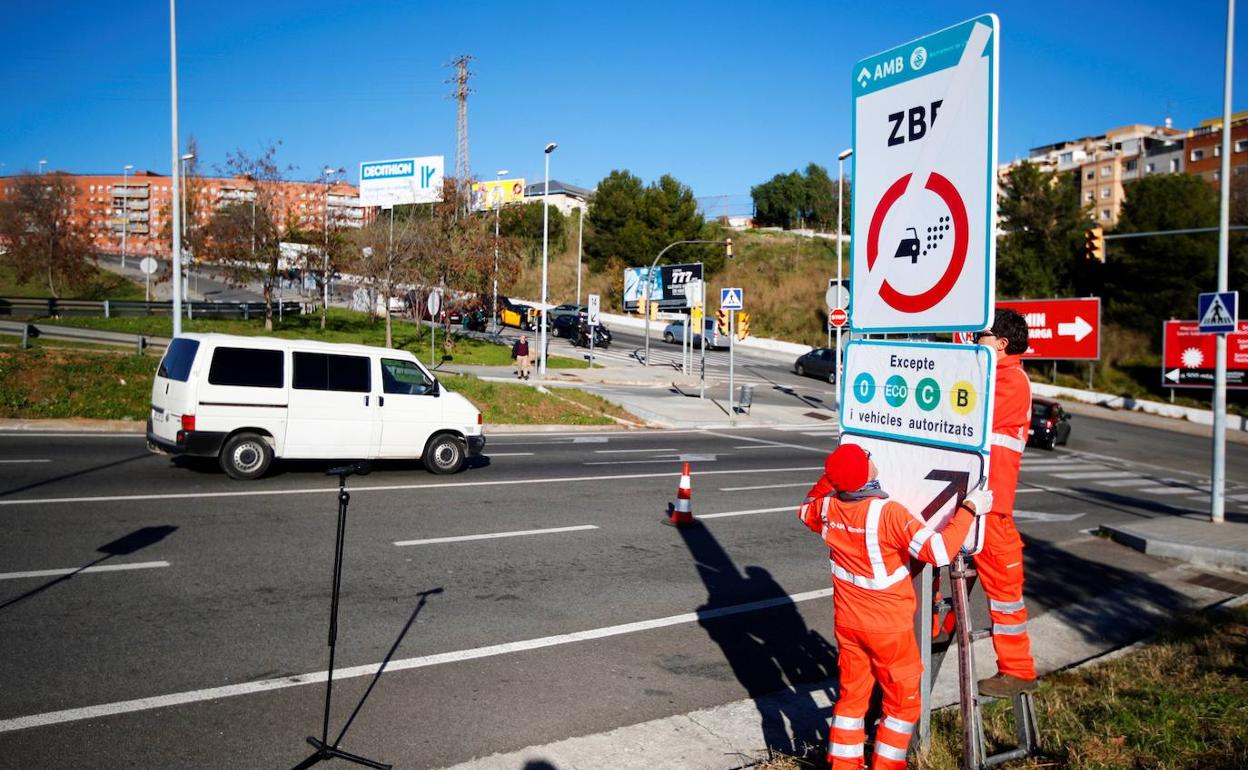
(720, 94)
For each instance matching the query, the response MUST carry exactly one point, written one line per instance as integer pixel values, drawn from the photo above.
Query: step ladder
(975, 755)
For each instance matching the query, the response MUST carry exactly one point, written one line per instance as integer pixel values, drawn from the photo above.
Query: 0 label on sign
(925, 393)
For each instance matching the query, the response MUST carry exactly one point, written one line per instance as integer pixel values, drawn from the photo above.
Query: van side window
(324, 371)
(246, 367)
(176, 365)
(403, 377)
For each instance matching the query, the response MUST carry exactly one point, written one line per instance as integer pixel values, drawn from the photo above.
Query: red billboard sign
(1188, 356)
(1061, 329)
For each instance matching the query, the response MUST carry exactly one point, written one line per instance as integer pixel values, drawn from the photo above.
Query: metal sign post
(732, 350)
(434, 304)
(595, 312)
(702, 336)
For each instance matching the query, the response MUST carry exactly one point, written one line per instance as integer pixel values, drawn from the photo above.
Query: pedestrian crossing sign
(732, 299)
(1218, 312)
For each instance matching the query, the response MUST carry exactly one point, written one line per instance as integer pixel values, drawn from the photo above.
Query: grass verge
(54, 381)
(1180, 702)
(100, 285)
(341, 326)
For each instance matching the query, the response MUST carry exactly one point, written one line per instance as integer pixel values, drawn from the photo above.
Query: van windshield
(176, 365)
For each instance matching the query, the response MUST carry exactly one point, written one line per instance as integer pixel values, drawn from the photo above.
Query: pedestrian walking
(520, 352)
(871, 540)
(1000, 563)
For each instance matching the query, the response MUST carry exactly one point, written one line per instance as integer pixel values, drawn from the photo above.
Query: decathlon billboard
(401, 181)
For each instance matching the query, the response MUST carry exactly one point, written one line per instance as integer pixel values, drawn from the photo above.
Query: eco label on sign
(925, 148)
(1188, 356)
(401, 181)
(927, 393)
(929, 481)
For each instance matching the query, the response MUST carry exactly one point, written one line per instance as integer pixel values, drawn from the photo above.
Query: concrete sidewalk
(1193, 539)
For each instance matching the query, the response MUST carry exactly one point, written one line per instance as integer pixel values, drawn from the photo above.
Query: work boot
(1006, 686)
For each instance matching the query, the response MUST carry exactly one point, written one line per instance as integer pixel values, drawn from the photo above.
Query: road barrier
(51, 307)
(72, 333)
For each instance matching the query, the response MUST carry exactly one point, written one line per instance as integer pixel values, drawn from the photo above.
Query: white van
(249, 400)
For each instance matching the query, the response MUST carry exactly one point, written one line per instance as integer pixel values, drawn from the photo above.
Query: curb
(74, 425)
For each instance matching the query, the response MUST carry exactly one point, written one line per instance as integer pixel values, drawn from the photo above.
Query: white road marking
(1161, 489)
(17, 462)
(691, 458)
(352, 672)
(38, 573)
(590, 440)
(1092, 475)
(387, 487)
(725, 514)
(822, 433)
(1025, 491)
(1085, 453)
(765, 441)
(494, 535)
(1133, 482)
(632, 451)
(1040, 516)
(767, 486)
(508, 454)
(759, 446)
(1238, 498)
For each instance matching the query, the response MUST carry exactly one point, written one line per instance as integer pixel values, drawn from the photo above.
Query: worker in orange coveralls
(1000, 563)
(871, 541)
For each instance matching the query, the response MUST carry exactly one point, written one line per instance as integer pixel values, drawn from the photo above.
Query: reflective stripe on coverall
(870, 544)
(1000, 563)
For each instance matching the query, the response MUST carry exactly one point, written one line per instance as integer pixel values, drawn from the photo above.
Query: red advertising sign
(1188, 356)
(1061, 329)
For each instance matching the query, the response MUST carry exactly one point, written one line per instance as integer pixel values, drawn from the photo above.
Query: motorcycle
(602, 337)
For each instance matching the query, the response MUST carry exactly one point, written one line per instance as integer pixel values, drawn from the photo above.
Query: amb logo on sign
(925, 146)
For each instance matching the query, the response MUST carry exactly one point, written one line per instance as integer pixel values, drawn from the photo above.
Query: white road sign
(147, 265)
(837, 294)
(434, 303)
(401, 181)
(595, 309)
(929, 481)
(732, 298)
(928, 393)
(924, 208)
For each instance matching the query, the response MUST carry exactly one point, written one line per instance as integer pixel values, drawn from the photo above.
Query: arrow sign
(1173, 375)
(958, 481)
(1078, 329)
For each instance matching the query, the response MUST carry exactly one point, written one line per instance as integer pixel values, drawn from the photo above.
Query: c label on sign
(927, 394)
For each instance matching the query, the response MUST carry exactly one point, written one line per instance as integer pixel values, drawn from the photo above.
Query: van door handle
(381, 401)
(366, 401)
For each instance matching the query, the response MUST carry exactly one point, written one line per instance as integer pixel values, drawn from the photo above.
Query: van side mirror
(435, 390)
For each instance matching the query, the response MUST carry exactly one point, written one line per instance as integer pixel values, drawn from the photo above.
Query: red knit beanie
(848, 468)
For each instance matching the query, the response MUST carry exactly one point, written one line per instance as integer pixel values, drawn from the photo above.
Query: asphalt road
(208, 654)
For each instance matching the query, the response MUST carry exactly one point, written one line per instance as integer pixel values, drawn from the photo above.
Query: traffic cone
(680, 514)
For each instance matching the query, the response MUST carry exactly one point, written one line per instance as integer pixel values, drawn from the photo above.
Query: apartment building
(137, 206)
(1204, 148)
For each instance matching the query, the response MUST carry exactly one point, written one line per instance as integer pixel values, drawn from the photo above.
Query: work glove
(979, 501)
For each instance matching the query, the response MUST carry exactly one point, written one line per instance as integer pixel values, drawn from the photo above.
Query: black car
(820, 363)
(1050, 424)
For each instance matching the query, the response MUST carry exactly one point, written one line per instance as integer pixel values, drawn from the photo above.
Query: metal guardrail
(50, 307)
(26, 331)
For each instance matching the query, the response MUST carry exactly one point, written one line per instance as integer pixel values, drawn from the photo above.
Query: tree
(242, 237)
(524, 222)
(634, 223)
(800, 200)
(1152, 278)
(1040, 251)
(41, 235)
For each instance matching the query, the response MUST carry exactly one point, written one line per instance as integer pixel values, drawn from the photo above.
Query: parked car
(516, 314)
(819, 363)
(1050, 424)
(251, 400)
(564, 325)
(675, 332)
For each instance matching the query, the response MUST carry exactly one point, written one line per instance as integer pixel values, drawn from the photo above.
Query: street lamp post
(327, 171)
(125, 210)
(176, 251)
(497, 206)
(186, 278)
(580, 236)
(42, 163)
(840, 210)
(541, 369)
(727, 242)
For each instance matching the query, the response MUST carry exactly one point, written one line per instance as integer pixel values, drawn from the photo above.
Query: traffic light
(721, 321)
(743, 324)
(728, 248)
(1094, 244)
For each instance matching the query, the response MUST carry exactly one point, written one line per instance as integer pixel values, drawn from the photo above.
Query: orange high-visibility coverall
(870, 545)
(1000, 563)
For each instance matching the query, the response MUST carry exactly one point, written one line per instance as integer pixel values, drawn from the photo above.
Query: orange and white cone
(681, 513)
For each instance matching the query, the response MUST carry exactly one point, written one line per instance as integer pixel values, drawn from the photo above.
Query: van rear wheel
(246, 456)
(445, 454)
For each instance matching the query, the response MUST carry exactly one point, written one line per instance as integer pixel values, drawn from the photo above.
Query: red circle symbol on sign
(838, 317)
(925, 300)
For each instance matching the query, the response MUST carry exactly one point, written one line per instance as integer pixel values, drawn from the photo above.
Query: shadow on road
(771, 651)
(122, 546)
(75, 474)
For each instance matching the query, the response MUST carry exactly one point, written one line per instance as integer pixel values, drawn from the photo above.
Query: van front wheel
(445, 454)
(246, 456)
